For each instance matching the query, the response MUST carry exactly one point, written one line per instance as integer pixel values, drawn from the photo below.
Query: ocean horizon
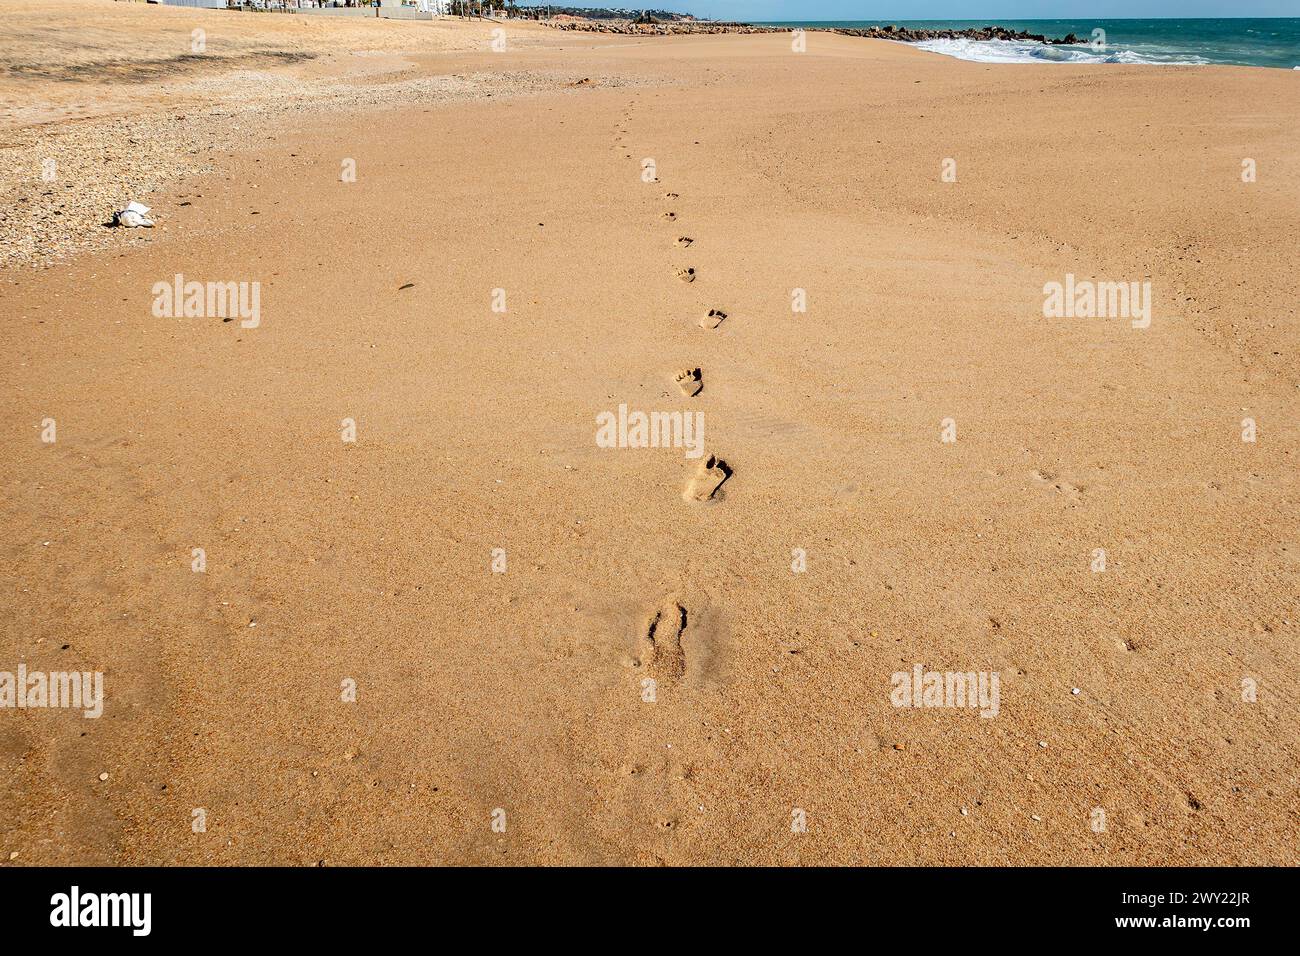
(1270, 42)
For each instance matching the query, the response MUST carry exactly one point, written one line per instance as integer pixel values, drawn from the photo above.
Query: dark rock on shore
(980, 33)
(878, 33)
(661, 29)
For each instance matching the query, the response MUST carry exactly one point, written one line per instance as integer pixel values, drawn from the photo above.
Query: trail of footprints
(661, 649)
(713, 472)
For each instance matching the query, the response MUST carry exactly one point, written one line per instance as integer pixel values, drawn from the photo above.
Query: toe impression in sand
(708, 480)
(713, 319)
(688, 380)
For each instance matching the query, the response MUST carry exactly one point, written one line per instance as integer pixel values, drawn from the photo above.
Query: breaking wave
(1031, 51)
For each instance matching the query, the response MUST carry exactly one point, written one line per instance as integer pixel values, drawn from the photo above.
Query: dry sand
(371, 561)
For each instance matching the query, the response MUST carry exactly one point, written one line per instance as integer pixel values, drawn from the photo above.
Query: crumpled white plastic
(135, 214)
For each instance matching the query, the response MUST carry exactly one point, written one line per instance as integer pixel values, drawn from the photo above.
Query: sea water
(1271, 42)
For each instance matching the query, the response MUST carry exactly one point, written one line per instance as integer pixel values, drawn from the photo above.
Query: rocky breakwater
(904, 34)
(669, 28)
(979, 33)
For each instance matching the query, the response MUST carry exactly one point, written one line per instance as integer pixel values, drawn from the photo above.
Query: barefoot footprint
(663, 652)
(688, 380)
(684, 240)
(708, 480)
(686, 275)
(670, 216)
(713, 319)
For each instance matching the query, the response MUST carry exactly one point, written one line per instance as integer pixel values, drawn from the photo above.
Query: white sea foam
(1031, 51)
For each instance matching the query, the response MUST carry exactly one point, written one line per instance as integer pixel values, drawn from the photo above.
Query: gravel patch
(61, 183)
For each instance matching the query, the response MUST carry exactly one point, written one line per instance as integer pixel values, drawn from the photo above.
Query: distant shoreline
(1241, 41)
(890, 32)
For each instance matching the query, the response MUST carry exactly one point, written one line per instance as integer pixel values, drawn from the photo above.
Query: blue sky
(967, 9)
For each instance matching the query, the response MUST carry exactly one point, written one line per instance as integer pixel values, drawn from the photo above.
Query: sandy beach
(431, 620)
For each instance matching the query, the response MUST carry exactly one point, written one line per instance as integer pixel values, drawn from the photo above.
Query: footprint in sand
(670, 195)
(688, 380)
(713, 319)
(670, 216)
(708, 480)
(1059, 485)
(686, 275)
(684, 241)
(662, 642)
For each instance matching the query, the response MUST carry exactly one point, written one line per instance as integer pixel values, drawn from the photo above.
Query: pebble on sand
(104, 775)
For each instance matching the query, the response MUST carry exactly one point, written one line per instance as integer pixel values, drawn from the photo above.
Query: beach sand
(518, 696)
